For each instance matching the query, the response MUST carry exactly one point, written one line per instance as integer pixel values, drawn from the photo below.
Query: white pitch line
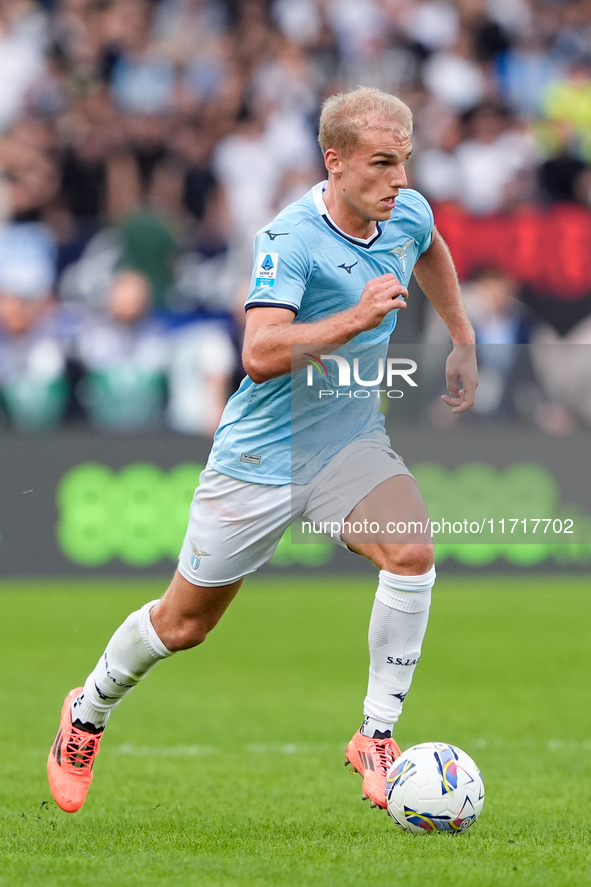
(166, 751)
(187, 751)
(303, 748)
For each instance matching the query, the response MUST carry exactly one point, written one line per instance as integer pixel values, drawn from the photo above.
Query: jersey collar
(317, 193)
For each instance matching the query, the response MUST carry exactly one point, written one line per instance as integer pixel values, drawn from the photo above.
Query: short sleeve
(282, 268)
(425, 223)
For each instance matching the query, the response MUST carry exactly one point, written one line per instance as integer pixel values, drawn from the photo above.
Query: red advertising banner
(547, 249)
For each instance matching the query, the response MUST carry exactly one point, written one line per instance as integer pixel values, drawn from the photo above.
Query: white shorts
(235, 526)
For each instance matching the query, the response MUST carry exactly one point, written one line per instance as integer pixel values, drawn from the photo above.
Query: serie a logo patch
(266, 269)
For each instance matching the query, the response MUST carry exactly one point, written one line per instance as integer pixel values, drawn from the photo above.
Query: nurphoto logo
(390, 369)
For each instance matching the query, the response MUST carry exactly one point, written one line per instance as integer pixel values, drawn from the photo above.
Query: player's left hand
(461, 378)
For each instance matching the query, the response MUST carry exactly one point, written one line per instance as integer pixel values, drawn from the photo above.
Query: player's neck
(345, 216)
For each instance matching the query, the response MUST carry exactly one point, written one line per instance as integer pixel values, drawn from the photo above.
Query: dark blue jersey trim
(357, 241)
(258, 304)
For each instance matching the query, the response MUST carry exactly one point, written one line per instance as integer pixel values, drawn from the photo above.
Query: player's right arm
(270, 333)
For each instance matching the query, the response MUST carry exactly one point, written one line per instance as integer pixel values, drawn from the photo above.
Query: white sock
(396, 630)
(133, 650)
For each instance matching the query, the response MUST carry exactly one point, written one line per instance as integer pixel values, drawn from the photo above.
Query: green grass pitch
(225, 766)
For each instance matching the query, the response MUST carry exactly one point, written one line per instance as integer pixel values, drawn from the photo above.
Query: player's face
(367, 182)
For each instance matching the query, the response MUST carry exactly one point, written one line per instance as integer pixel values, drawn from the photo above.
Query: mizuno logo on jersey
(348, 267)
(273, 234)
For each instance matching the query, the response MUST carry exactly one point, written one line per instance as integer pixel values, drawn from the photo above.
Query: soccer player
(331, 268)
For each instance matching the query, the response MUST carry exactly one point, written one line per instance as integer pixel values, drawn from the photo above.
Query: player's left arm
(436, 275)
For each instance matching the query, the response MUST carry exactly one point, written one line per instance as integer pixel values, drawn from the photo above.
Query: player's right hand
(380, 296)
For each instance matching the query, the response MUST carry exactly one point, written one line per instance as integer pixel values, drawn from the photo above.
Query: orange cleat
(372, 758)
(69, 765)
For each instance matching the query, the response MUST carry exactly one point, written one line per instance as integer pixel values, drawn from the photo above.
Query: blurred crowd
(144, 142)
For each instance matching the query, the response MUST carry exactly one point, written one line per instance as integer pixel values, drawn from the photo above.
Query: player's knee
(186, 634)
(412, 559)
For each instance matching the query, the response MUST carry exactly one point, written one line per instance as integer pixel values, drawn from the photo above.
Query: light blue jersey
(304, 262)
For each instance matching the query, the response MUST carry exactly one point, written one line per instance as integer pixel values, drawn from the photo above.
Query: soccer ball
(434, 787)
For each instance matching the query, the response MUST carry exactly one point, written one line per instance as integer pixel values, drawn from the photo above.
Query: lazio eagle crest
(198, 553)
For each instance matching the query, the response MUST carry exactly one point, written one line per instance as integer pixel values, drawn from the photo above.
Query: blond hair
(346, 116)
